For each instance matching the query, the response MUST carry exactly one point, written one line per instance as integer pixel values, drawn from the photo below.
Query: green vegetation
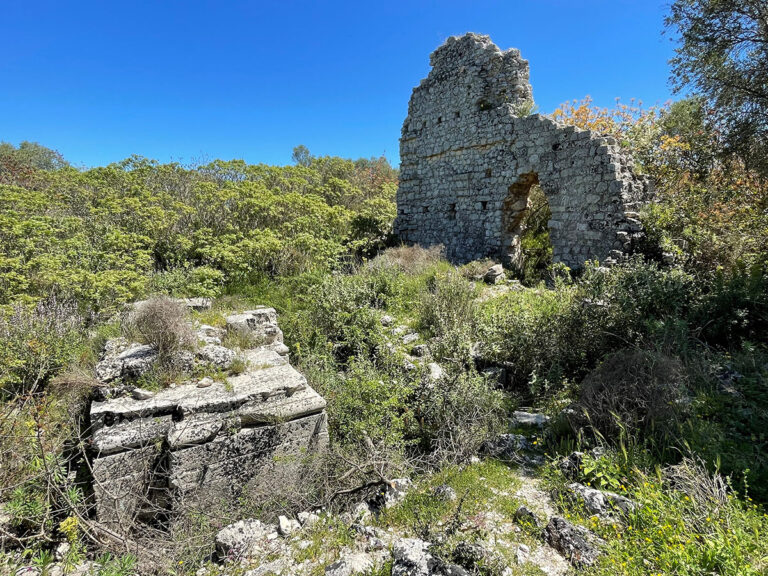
(660, 362)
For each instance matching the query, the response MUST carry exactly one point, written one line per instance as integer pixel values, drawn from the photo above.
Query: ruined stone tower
(469, 156)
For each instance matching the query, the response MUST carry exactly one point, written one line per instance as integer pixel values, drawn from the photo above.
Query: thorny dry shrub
(163, 323)
(476, 269)
(38, 448)
(635, 389)
(409, 259)
(37, 342)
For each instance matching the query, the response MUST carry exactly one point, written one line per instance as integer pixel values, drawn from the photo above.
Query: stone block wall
(469, 157)
(202, 445)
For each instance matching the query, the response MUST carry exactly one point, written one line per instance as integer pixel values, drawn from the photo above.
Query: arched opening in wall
(526, 240)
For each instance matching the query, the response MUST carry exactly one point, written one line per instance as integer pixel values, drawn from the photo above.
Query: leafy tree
(723, 57)
(301, 156)
(33, 155)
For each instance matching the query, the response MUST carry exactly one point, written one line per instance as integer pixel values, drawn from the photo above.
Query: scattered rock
(411, 557)
(410, 338)
(444, 493)
(205, 382)
(141, 394)
(307, 518)
(287, 526)
(436, 371)
(242, 539)
(420, 350)
(217, 356)
(349, 564)
(601, 502)
(62, 549)
(387, 320)
(123, 360)
(525, 515)
(494, 275)
(529, 419)
(577, 544)
(522, 553)
(396, 491)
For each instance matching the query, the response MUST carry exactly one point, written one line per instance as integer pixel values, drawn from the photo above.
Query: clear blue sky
(187, 79)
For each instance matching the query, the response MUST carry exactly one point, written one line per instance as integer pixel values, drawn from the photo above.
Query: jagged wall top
(503, 74)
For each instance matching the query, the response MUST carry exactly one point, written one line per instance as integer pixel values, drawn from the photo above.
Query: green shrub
(37, 342)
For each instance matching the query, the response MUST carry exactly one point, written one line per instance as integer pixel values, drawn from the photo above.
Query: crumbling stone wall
(469, 156)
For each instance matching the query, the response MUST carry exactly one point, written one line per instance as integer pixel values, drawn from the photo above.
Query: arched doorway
(527, 247)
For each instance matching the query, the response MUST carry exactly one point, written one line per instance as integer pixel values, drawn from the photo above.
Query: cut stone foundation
(201, 448)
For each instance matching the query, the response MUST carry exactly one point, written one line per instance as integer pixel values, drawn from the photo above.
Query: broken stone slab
(260, 323)
(190, 446)
(410, 338)
(287, 526)
(577, 544)
(273, 380)
(242, 539)
(122, 359)
(601, 502)
(411, 557)
(529, 419)
(210, 334)
(494, 274)
(217, 356)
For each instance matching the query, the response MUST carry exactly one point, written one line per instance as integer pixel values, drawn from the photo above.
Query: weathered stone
(529, 419)
(470, 156)
(242, 539)
(445, 493)
(124, 360)
(410, 338)
(411, 557)
(436, 371)
(387, 320)
(495, 274)
(420, 350)
(192, 446)
(349, 564)
(287, 526)
(577, 544)
(216, 355)
(522, 554)
(141, 394)
(601, 502)
(210, 334)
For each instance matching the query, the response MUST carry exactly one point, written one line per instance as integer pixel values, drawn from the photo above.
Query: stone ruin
(202, 444)
(469, 156)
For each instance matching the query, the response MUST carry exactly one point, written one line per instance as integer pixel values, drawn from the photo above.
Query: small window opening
(425, 209)
(458, 114)
(484, 204)
(556, 147)
(488, 172)
(439, 119)
(451, 211)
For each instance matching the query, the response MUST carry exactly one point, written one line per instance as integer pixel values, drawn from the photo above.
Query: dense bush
(106, 235)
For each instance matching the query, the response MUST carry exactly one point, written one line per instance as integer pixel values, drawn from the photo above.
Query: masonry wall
(468, 160)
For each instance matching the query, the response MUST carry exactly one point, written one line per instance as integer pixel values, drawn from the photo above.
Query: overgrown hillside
(650, 374)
